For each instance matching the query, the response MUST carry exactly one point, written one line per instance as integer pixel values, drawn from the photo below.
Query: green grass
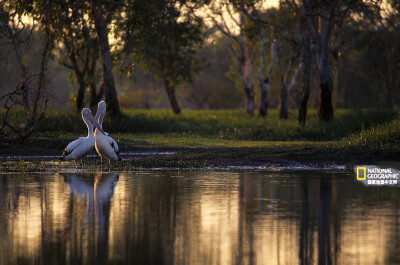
(226, 124)
(351, 133)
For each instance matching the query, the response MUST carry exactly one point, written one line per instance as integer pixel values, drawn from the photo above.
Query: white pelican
(82, 146)
(105, 145)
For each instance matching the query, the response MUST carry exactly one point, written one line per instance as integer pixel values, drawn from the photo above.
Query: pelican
(82, 146)
(105, 145)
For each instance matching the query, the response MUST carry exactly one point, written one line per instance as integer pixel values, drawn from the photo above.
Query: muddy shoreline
(21, 160)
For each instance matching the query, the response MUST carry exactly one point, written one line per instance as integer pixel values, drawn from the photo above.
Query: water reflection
(95, 193)
(197, 218)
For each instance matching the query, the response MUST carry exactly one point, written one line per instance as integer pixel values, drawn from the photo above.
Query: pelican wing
(72, 146)
(113, 144)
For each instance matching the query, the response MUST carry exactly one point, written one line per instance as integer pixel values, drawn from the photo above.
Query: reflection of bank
(96, 194)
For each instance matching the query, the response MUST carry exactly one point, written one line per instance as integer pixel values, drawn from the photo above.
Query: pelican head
(87, 114)
(101, 112)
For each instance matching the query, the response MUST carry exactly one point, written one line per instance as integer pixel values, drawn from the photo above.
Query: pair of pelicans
(105, 145)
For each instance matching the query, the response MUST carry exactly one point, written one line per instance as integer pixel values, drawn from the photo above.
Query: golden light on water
(26, 226)
(225, 219)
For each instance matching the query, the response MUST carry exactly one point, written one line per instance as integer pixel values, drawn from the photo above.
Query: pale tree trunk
(95, 96)
(249, 90)
(295, 79)
(283, 112)
(323, 32)
(247, 71)
(265, 82)
(171, 97)
(283, 109)
(80, 95)
(306, 52)
(106, 62)
(325, 110)
(287, 88)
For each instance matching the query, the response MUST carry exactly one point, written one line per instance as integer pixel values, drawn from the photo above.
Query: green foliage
(162, 39)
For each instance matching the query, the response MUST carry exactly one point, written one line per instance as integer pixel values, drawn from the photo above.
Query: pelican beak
(100, 112)
(95, 124)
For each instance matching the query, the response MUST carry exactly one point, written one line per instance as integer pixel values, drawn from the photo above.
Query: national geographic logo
(374, 175)
(361, 173)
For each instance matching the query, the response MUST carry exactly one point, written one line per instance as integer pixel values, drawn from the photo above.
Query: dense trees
(162, 37)
(297, 54)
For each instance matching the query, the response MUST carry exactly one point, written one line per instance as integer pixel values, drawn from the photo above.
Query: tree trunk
(295, 78)
(305, 93)
(264, 86)
(283, 109)
(80, 95)
(106, 62)
(95, 96)
(247, 70)
(264, 83)
(325, 109)
(249, 90)
(171, 97)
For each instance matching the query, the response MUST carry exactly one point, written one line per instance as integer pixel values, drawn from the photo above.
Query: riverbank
(158, 152)
(219, 139)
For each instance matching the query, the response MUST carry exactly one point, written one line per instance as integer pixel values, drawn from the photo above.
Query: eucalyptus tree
(163, 37)
(279, 24)
(261, 31)
(85, 35)
(81, 47)
(326, 21)
(77, 24)
(103, 12)
(228, 16)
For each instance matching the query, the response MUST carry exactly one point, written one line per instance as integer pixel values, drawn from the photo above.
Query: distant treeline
(204, 54)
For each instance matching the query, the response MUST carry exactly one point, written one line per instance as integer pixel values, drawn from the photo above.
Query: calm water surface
(197, 218)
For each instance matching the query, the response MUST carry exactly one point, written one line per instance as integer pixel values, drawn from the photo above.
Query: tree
(80, 44)
(264, 82)
(279, 23)
(327, 20)
(164, 41)
(306, 54)
(30, 92)
(240, 46)
(106, 61)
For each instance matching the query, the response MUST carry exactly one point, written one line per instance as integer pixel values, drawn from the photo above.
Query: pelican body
(83, 145)
(105, 145)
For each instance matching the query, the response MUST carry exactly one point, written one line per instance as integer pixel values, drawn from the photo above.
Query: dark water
(197, 218)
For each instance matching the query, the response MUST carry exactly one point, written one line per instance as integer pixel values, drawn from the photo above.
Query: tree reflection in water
(197, 218)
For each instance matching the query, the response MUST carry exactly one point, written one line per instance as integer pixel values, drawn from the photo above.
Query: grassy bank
(232, 134)
(226, 124)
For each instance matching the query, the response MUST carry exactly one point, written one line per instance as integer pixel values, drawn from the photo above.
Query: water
(197, 218)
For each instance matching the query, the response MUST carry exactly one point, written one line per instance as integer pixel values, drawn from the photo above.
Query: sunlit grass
(227, 124)
(350, 133)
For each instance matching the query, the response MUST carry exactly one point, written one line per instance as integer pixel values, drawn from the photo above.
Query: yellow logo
(361, 173)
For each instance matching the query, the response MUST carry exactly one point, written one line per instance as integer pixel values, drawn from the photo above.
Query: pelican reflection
(96, 193)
